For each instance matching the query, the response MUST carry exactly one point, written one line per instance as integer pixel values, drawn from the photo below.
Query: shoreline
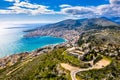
(14, 58)
(65, 40)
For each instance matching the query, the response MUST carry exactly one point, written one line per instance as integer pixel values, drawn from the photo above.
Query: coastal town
(82, 52)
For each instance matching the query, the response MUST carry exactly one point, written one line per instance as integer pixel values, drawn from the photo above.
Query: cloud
(24, 7)
(112, 9)
(108, 10)
(10, 0)
(78, 10)
(64, 5)
(5, 11)
(17, 1)
(115, 2)
(29, 5)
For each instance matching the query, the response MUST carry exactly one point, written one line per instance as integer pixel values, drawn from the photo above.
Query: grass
(111, 72)
(71, 59)
(43, 67)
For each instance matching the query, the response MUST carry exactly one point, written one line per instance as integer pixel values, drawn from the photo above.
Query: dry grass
(102, 63)
(69, 67)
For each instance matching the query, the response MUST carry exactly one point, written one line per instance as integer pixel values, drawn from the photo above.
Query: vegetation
(71, 60)
(43, 67)
(111, 72)
(98, 58)
(99, 44)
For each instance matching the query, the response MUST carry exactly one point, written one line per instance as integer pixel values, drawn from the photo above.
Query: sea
(12, 40)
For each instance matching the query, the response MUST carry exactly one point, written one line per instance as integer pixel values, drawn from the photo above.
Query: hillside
(94, 55)
(101, 42)
(71, 29)
(43, 67)
(70, 24)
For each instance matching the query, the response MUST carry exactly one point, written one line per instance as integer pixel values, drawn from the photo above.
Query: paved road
(73, 73)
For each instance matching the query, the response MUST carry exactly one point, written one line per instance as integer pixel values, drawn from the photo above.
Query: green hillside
(42, 67)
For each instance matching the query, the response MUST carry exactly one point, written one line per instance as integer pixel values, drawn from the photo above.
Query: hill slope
(71, 29)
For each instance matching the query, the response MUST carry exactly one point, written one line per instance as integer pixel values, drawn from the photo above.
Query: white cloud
(108, 10)
(10, 0)
(5, 11)
(26, 8)
(17, 1)
(112, 9)
(64, 5)
(29, 5)
(80, 11)
(77, 10)
(115, 2)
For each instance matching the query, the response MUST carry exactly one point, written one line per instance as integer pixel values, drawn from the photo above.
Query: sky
(49, 11)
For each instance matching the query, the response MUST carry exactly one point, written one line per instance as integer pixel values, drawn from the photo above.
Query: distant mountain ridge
(72, 23)
(75, 23)
(70, 29)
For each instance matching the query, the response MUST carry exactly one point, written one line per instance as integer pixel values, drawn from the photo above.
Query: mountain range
(70, 29)
(75, 23)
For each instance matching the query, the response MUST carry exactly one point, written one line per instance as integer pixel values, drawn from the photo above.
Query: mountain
(70, 29)
(72, 23)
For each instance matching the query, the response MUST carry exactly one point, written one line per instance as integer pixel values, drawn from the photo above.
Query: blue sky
(54, 4)
(46, 11)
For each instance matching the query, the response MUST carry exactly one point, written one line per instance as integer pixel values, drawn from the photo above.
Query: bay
(13, 42)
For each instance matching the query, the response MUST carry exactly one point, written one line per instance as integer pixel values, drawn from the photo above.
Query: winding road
(74, 70)
(73, 73)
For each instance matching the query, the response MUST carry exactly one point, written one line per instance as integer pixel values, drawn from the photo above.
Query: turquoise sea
(13, 42)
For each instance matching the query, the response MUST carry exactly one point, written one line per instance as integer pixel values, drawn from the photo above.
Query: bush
(97, 59)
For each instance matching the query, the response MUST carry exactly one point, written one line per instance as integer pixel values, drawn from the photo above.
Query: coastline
(65, 41)
(69, 40)
(14, 58)
(40, 42)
